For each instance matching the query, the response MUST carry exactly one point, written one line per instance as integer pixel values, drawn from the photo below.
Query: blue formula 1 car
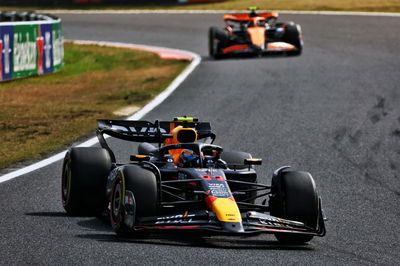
(185, 182)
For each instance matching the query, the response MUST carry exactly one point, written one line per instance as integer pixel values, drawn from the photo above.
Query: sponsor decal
(175, 219)
(40, 52)
(1, 56)
(28, 50)
(219, 189)
(47, 48)
(181, 175)
(273, 221)
(7, 38)
(58, 50)
(139, 130)
(25, 50)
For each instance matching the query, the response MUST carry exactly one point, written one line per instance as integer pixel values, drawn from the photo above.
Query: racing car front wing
(269, 48)
(252, 222)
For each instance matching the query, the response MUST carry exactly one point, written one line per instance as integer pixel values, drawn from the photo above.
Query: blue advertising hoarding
(6, 45)
(46, 33)
(30, 48)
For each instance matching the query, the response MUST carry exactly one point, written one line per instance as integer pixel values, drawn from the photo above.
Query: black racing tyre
(84, 180)
(235, 158)
(217, 39)
(293, 36)
(294, 197)
(142, 185)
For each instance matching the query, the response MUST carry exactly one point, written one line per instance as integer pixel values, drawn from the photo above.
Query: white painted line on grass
(147, 108)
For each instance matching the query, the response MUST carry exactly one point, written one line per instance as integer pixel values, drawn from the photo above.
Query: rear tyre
(217, 39)
(293, 36)
(294, 197)
(84, 180)
(139, 183)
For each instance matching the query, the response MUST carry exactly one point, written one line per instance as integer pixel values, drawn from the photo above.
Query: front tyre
(84, 180)
(293, 36)
(134, 194)
(294, 197)
(217, 40)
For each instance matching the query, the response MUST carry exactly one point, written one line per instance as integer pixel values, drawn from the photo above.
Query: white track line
(147, 108)
(330, 13)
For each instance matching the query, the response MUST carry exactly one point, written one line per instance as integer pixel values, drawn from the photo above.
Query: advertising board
(30, 48)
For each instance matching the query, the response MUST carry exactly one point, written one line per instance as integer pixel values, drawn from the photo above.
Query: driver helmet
(180, 135)
(188, 158)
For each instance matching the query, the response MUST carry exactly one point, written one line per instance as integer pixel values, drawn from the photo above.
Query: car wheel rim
(215, 46)
(66, 183)
(116, 200)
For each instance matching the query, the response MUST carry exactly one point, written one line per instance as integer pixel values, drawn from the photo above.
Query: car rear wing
(247, 17)
(145, 131)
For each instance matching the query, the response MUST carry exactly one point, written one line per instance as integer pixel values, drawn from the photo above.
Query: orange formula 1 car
(255, 34)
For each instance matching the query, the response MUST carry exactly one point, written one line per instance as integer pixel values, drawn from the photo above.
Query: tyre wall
(30, 44)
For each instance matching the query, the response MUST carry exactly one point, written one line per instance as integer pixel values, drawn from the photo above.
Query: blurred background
(94, 2)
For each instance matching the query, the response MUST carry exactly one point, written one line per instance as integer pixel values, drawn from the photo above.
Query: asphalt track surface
(334, 111)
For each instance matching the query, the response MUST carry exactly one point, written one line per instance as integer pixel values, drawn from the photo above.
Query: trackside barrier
(30, 44)
(66, 3)
(127, 2)
(200, 1)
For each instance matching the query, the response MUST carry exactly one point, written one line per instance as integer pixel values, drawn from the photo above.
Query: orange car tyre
(293, 36)
(217, 39)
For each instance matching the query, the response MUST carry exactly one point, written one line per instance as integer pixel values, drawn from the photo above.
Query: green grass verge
(40, 115)
(313, 5)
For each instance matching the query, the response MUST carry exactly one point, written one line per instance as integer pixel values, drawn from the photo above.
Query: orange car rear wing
(246, 16)
(268, 14)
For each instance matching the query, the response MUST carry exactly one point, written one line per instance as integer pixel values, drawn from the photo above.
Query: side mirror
(139, 158)
(253, 161)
